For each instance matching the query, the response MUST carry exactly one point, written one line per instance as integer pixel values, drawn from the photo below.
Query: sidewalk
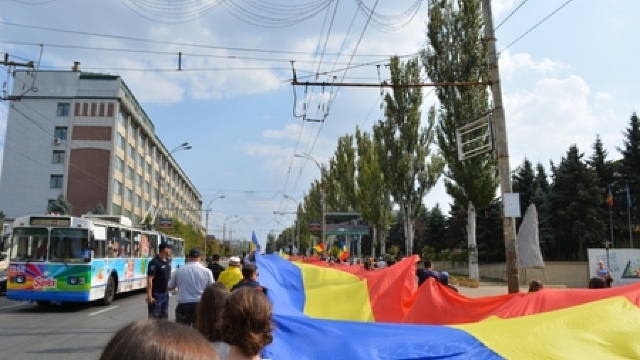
(487, 290)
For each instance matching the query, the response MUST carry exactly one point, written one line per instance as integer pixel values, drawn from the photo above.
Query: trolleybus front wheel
(109, 292)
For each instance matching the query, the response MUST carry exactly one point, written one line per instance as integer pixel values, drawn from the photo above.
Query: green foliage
(404, 148)
(575, 204)
(343, 174)
(456, 52)
(271, 244)
(193, 236)
(99, 210)
(394, 250)
(374, 201)
(334, 251)
(428, 252)
(60, 205)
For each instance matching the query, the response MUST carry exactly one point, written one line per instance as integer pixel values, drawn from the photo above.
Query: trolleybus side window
(136, 243)
(113, 241)
(29, 244)
(153, 245)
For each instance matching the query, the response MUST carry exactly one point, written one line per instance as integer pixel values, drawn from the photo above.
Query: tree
(343, 169)
(629, 166)
(192, 235)
(271, 244)
(99, 210)
(404, 148)
(524, 180)
(374, 201)
(575, 199)
(436, 227)
(456, 52)
(60, 205)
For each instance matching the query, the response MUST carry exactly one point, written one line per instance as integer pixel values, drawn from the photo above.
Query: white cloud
(511, 64)
(499, 6)
(556, 113)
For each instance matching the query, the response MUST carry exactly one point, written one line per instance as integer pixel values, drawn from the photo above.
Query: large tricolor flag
(345, 312)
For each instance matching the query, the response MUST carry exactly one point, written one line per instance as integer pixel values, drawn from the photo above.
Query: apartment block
(84, 135)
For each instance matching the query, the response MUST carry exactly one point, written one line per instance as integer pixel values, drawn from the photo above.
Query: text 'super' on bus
(80, 259)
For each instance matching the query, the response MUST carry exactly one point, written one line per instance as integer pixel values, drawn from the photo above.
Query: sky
(570, 78)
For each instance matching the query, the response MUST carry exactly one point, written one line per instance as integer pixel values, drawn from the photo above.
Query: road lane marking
(10, 306)
(103, 310)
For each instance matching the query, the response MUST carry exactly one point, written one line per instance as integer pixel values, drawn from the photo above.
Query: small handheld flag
(609, 196)
(319, 248)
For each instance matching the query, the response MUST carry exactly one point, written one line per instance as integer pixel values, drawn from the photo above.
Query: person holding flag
(319, 248)
(253, 247)
(344, 251)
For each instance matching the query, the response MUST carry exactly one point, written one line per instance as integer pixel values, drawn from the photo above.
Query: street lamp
(324, 204)
(183, 146)
(234, 221)
(224, 227)
(206, 222)
(297, 219)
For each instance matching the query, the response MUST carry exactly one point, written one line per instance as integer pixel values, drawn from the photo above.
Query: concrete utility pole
(502, 149)
(322, 192)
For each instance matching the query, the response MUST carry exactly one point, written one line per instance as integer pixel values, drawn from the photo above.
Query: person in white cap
(231, 275)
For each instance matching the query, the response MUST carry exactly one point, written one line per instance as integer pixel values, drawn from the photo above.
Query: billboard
(165, 223)
(315, 225)
(624, 264)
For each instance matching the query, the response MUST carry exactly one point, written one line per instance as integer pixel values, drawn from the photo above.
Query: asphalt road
(66, 332)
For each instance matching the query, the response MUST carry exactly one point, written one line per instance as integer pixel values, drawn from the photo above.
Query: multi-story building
(85, 136)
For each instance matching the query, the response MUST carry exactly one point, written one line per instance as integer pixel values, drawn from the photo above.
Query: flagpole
(611, 225)
(610, 203)
(629, 217)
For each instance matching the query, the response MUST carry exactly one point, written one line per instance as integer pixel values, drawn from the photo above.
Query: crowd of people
(221, 313)
(224, 313)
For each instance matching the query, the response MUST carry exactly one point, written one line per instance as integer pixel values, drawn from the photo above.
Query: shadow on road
(67, 307)
(67, 350)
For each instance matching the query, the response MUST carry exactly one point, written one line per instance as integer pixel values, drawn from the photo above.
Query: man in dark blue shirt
(427, 272)
(158, 275)
(249, 279)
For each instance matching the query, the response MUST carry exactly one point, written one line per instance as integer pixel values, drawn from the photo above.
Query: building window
(55, 182)
(121, 141)
(146, 205)
(140, 161)
(138, 202)
(63, 109)
(132, 131)
(147, 187)
(101, 113)
(138, 180)
(129, 172)
(116, 209)
(110, 110)
(122, 118)
(117, 187)
(128, 194)
(127, 213)
(85, 109)
(60, 132)
(94, 109)
(58, 157)
(132, 153)
(119, 164)
(50, 202)
(149, 168)
(76, 109)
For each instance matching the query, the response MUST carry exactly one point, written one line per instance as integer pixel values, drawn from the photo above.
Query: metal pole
(610, 225)
(206, 232)
(298, 228)
(502, 148)
(629, 218)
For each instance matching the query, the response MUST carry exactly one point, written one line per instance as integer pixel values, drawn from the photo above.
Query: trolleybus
(59, 259)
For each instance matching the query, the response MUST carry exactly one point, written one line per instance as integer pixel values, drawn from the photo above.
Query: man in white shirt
(190, 280)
